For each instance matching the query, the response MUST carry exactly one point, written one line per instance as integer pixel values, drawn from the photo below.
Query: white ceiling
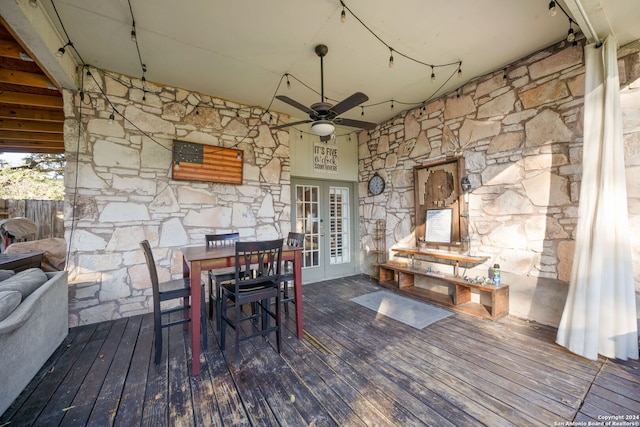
(239, 50)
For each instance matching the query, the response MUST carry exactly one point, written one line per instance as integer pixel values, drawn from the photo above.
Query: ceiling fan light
(322, 128)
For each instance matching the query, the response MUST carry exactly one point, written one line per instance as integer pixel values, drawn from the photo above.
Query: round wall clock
(376, 184)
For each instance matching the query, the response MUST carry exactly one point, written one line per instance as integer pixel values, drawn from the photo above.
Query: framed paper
(438, 228)
(199, 162)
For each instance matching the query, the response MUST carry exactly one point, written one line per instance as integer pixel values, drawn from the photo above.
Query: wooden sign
(198, 162)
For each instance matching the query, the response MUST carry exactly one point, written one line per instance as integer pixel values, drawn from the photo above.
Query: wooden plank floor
(354, 368)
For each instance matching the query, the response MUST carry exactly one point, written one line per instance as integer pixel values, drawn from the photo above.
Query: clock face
(376, 185)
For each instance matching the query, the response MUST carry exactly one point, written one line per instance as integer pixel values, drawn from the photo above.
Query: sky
(13, 159)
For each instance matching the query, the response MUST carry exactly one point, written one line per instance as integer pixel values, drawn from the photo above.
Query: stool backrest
(227, 239)
(295, 240)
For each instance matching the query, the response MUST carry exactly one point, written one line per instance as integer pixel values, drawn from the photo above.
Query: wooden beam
(23, 78)
(51, 116)
(11, 49)
(29, 99)
(30, 136)
(30, 147)
(30, 126)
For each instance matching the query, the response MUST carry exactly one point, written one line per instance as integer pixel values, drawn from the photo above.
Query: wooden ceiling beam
(10, 135)
(29, 126)
(31, 100)
(23, 78)
(11, 49)
(30, 147)
(51, 116)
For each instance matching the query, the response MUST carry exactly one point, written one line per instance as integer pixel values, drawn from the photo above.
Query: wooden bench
(401, 278)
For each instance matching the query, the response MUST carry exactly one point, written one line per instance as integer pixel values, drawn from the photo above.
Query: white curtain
(600, 313)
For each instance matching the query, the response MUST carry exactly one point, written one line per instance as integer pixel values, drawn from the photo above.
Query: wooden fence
(47, 214)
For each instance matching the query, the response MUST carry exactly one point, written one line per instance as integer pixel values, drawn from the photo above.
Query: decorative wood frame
(437, 186)
(199, 162)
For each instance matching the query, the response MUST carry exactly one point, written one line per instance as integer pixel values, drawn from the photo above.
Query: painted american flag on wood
(198, 162)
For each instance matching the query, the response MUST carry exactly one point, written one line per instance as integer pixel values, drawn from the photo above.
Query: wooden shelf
(411, 253)
(402, 279)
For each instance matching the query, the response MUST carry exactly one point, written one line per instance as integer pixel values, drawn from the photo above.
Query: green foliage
(29, 184)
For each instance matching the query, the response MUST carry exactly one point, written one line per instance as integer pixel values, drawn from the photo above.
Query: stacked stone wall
(119, 189)
(520, 133)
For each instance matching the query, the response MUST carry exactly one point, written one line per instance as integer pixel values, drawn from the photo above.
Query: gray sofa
(31, 331)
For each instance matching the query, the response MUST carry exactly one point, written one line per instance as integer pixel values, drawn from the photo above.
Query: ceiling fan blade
(350, 102)
(356, 123)
(290, 124)
(295, 104)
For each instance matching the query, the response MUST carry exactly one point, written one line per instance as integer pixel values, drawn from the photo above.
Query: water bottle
(496, 274)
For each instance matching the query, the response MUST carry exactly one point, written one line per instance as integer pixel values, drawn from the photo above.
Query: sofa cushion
(5, 274)
(9, 300)
(24, 282)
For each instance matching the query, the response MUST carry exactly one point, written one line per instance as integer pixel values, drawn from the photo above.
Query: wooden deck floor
(354, 369)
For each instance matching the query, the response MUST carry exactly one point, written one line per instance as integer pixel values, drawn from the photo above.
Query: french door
(324, 211)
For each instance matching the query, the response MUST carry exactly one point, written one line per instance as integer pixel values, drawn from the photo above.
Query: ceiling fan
(324, 116)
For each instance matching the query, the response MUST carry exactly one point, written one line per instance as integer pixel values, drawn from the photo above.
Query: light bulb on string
(391, 58)
(362, 113)
(552, 8)
(433, 75)
(571, 37)
(111, 118)
(343, 15)
(392, 104)
(460, 70)
(288, 82)
(60, 52)
(133, 35)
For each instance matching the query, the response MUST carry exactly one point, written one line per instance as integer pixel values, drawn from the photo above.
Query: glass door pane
(339, 226)
(308, 222)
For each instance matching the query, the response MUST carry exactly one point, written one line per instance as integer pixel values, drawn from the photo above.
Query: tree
(39, 178)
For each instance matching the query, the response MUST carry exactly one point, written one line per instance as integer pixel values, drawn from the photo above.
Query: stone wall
(520, 132)
(119, 190)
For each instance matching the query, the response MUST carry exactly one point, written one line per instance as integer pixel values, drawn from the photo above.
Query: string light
(433, 75)
(133, 34)
(571, 37)
(345, 7)
(392, 104)
(504, 74)
(460, 70)
(288, 82)
(111, 118)
(343, 14)
(61, 51)
(362, 113)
